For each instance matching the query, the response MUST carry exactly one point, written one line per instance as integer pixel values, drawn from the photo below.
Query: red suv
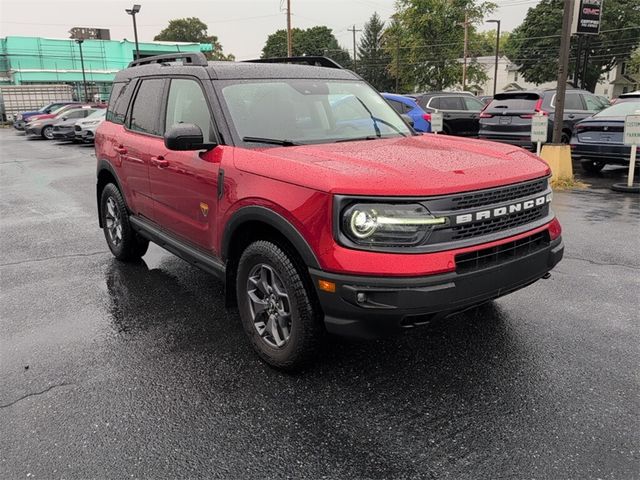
(312, 199)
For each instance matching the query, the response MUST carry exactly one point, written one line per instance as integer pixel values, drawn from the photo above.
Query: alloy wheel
(48, 133)
(269, 305)
(113, 221)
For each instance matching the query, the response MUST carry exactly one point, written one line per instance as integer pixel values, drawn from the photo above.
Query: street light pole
(289, 34)
(132, 11)
(84, 78)
(495, 71)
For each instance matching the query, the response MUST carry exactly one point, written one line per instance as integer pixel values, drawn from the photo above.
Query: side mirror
(64, 118)
(48, 110)
(407, 119)
(185, 136)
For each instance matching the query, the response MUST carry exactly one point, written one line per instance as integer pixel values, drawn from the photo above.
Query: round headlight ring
(362, 223)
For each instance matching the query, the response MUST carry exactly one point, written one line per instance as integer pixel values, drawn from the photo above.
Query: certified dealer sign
(586, 17)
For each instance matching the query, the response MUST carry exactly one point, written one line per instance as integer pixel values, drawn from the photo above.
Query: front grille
(77, 128)
(489, 257)
(486, 227)
(489, 197)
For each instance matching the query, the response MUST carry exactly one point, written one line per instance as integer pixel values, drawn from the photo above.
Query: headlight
(379, 224)
(19, 116)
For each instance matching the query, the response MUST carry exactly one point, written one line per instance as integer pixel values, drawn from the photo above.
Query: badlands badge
(204, 208)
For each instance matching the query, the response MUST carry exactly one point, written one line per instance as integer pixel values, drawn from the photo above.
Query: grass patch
(567, 183)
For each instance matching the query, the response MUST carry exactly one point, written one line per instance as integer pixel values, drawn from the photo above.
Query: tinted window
(187, 104)
(450, 103)
(145, 112)
(514, 101)
(118, 103)
(77, 114)
(473, 104)
(434, 103)
(397, 106)
(573, 102)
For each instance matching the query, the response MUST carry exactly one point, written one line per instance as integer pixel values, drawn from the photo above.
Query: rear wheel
(47, 132)
(565, 138)
(123, 241)
(277, 310)
(592, 166)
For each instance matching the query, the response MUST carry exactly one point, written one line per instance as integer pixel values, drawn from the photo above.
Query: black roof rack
(187, 58)
(314, 61)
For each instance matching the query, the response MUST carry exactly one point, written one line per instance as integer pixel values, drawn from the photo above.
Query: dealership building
(55, 61)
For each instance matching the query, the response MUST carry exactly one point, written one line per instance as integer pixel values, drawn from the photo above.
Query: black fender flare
(273, 219)
(102, 166)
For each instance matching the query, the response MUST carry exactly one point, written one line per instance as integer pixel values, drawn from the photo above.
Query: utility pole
(561, 89)
(576, 71)
(355, 53)
(586, 64)
(84, 78)
(495, 69)
(465, 24)
(289, 36)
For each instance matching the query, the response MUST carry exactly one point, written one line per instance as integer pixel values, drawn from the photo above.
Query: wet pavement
(110, 370)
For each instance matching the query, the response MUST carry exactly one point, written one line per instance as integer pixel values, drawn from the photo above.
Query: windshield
(294, 111)
(620, 110)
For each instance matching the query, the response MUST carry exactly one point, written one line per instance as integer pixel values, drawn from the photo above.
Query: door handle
(120, 149)
(159, 162)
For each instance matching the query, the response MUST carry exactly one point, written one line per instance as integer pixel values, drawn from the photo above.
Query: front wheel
(47, 132)
(276, 307)
(592, 166)
(123, 241)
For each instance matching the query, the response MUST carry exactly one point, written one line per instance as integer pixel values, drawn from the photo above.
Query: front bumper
(64, 134)
(33, 130)
(19, 124)
(392, 303)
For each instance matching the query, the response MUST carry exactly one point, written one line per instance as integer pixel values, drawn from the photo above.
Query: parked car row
(63, 121)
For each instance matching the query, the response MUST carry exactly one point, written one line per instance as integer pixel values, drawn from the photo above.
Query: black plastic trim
(275, 220)
(105, 165)
(314, 61)
(194, 256)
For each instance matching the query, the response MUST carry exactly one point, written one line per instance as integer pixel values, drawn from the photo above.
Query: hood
(419, 165)
(42, 116)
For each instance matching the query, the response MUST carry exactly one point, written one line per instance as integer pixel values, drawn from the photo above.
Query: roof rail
(188, 58)
(314, 61)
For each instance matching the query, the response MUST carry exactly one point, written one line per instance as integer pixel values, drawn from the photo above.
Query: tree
(633, 67)
(535, 44)
(373, 60)
(317, 40)
(484, 43)
(193, 29)
(427, 39)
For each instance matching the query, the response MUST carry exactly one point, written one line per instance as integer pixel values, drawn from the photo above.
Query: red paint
(298, 183)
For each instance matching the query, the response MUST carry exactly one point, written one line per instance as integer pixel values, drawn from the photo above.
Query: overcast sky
(241, 25)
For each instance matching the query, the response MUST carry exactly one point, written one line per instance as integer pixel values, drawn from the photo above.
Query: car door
(142, 141)
(574, 109)
(472, 120)
(184, 183)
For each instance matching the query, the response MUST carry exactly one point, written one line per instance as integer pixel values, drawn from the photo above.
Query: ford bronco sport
(311, 198)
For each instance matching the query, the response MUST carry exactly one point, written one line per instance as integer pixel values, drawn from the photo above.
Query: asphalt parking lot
(110, 370)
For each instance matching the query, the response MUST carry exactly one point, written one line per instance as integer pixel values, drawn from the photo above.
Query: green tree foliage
(633, 67)
(427, 37)
(193, 29)
(317, 40)
(535, 44)
(484, 43)
(373, 59)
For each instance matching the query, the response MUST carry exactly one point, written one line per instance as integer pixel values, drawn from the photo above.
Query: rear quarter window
(118, 102)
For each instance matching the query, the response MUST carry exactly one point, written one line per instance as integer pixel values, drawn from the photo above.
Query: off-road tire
(131, 246)
(306, 330)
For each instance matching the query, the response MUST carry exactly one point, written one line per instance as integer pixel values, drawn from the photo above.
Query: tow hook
(546, 275)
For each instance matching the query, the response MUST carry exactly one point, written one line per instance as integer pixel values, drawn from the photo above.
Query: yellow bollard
(559, 159)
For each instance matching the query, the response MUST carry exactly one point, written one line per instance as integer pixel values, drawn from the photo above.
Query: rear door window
(397, 106)
(145, 112)
(451, 103)
(573, 102)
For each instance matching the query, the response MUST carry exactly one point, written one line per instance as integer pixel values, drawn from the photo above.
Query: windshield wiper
(357, 139)
(375, 121)
(271, 141)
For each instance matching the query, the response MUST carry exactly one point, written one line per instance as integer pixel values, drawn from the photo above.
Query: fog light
(361, 297)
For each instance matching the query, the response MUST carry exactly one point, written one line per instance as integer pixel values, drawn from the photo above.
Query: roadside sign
(586, 17)
(632, 130)
(632, 137)
(436, 122)
(539, 130)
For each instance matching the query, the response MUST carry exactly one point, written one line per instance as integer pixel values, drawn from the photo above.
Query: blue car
(408, 106)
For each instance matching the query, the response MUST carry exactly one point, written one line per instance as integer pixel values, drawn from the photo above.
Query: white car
(85, 129)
